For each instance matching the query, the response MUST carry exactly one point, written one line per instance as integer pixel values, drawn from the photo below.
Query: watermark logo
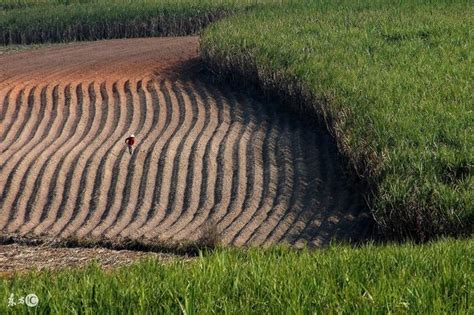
(31, 300)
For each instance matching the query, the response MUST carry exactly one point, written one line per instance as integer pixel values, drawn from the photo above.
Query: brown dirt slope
(206, 154)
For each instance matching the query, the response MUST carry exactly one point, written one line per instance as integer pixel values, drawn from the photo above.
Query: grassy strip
(19, 4)
(393, 82)
(429, 279)
(45, 21)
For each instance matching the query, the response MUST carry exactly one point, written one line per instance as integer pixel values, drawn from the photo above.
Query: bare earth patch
(205, 153)
(20, 258)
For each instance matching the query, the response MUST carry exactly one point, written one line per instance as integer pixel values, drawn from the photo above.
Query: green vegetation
(393, 82)
(430, 279)
(18, 4)
(394, 85)
(26, 22)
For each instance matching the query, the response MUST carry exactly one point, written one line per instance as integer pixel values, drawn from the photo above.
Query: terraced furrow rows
(204, 156)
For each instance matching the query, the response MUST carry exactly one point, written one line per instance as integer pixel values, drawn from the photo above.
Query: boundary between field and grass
(360, 68)
(435, 277)
(338, 64)
(206, 243)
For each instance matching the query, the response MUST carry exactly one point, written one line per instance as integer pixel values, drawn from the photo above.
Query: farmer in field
(130, 141)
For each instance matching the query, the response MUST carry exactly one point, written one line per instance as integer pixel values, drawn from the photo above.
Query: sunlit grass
(394, 82)
(45, 21)
(429, 279)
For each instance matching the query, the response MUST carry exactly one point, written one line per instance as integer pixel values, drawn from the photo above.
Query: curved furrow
(167, 149)
(17, 166)
(239, 182)
(23, 156)
(302, 211)
(353, 223)
(71, 203)
(45, 159)
(136, 167)
(339, 217)
(313, 199)
(351, 226)
(299, 186)
(227, 154)
(120, 167)
(12, 117)
(23, 130)
(155, 160)
(85, 165)
(7, 106)
(329, 200)
(20, 117)
(114, 127)
(12, 114)
(64, 173)
(285, 188)
(227, 175)
(212, 167)
(11, 161)
(177, 164)
(67, 175)
(30, 158)
(123, 165)
(61, 159)
(161, 120)
(195, 182)
(7, 110)
(194, 152)
(11, 189)
(27, 136)
(221, 155)
(269, 187)
(207, 158)
(244, 178)
(182, 167)
(255, 164)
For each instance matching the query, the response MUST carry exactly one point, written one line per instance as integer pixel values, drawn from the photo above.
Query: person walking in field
(130, 141)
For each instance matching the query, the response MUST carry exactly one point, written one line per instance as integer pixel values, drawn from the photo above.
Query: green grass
(394, 82)
(19, 4)
(430, 279)
(46, 21)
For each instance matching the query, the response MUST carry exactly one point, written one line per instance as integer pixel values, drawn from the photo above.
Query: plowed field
(205, 154)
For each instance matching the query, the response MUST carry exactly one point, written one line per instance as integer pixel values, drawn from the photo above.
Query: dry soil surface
(206, 155)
